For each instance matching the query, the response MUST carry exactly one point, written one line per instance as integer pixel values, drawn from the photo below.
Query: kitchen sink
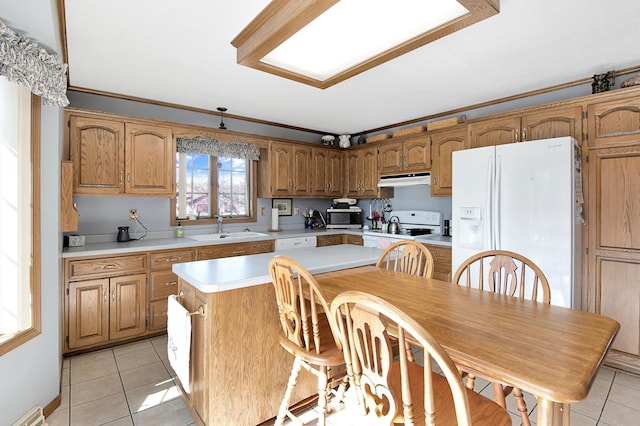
(213, 237)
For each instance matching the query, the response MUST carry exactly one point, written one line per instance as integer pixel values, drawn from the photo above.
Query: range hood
(408, 179)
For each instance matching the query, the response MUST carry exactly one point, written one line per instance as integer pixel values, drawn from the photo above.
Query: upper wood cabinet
(443, 144)
(287, 171)
(614, 122)
(113, 157)
(412, 154)
(360, 172)
(326, 172)
(534, 125)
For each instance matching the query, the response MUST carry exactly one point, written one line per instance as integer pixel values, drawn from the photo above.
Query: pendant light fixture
(222, 110)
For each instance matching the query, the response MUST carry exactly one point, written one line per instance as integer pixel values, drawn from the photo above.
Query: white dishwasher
(296, 243)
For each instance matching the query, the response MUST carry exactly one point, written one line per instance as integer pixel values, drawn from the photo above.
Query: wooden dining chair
(409, 257)
(307, 333)
(394, 390)
(507, 273)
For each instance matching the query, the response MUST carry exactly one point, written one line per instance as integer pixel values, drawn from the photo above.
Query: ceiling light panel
(353, 31)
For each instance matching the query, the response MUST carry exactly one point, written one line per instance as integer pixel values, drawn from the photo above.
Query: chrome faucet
(219, 224)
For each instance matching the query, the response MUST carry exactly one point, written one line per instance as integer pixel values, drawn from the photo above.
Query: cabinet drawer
(235, 249)
(164, 260)
(107, 266)
(441, 258)
(158, 315)
(163, 284)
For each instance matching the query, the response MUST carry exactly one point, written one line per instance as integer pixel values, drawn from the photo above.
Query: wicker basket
(378, 137)
(435, 125)
(409, 131)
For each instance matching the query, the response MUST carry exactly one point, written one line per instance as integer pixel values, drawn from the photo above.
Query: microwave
(344, 218)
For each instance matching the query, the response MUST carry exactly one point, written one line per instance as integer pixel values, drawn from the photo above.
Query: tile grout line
(115, 358)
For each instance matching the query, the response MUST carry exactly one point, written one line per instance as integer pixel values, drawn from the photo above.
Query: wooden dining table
(549, 351)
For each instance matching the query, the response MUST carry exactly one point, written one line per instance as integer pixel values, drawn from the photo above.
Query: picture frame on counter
(283, 205)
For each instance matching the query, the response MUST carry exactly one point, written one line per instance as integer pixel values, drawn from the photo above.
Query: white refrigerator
(526, 198)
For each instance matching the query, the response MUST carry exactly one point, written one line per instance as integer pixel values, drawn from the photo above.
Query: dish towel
(179, 340)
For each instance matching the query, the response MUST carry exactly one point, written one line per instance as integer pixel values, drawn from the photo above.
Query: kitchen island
(239, 371)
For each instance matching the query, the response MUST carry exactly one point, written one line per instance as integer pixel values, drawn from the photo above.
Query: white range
(420, 225)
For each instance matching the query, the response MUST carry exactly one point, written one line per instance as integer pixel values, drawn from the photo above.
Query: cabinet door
(369, 173)
(441, 262)
(552, 123)
(620, 300)
(150, 158)
(614, 122)
(417, 154)
(329, 240)
(390, 158)
(353, 163)
(301, 170)
(614, 241)
(280, 160)
(334, 173)
(127, 310)
(443, 145)
(356, 240)
(319, 167)
(88, 313)
(494, 132)
(97, 153)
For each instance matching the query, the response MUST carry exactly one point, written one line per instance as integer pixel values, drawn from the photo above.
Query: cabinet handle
(434, 180)
(109, 266)
(238, 252)
(517, 136)
(173, 259)
(113, 295)
(172, 283)
(121, 176)
(128, 177)
(104, 294)
(524, 135)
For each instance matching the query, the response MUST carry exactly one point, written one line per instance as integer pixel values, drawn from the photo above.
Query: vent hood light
(405, 180)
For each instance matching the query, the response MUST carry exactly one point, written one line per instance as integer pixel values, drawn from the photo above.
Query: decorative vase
(345, 141)
(328, 140)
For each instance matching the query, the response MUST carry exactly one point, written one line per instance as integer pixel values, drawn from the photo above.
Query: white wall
(31, 373)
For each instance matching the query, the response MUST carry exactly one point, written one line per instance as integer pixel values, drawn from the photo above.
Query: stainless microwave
(344, 218)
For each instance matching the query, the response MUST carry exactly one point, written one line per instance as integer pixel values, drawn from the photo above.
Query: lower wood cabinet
(336, 239)
(441, 261)
(238, 369)
(163, 282)
(106, 309)
(235, 249)
(356, 240)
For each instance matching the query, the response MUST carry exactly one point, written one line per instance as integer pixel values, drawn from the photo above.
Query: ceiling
(179, 52)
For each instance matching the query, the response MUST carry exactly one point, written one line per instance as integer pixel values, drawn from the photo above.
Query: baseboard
(623, 361)
(52, 406)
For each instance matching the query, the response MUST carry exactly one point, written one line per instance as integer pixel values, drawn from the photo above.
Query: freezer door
(473, 177)
(534, 199)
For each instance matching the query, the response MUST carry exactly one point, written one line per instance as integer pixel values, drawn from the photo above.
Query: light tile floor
(133, 384)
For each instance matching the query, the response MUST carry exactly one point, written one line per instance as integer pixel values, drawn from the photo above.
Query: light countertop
(210, 276)
(148, 244)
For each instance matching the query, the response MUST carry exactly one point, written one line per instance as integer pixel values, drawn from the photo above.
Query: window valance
(211, 146)
(24, 62)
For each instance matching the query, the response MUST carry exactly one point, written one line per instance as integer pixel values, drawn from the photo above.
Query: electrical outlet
(261, 211)
(297, 210)
(133, 214)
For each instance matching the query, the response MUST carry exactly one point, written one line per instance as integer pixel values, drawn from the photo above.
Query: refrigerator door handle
(496, 215)
(489, 234)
